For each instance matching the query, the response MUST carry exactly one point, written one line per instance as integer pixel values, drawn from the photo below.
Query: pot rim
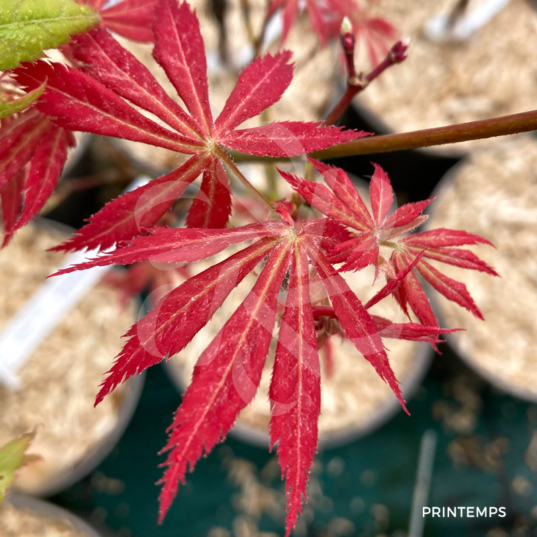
(52, 511)
(87, 464)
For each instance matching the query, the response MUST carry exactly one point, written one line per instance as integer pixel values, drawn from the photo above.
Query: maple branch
(239, 175)
(462, 132)
(357, 83)
(450, 134)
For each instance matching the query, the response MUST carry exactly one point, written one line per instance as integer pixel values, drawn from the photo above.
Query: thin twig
(357, 83)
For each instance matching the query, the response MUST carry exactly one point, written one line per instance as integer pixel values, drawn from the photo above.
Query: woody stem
(463, 132)
(451, 134)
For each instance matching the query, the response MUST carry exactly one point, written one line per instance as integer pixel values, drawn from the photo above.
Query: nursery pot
(23, 516)
(60, 378)
(494, 195)
(454, 81)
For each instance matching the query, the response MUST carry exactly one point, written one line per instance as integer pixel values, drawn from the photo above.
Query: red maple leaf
(229, 370)
(132, 19)
(95, 99)
(338, 199)
(33, 151)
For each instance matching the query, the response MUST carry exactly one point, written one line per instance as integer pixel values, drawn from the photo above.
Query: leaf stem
(239, 175)
(357, 83)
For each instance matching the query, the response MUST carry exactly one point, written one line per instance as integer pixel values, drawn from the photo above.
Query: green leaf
(12, 457)
(7, 108)
(27, 27)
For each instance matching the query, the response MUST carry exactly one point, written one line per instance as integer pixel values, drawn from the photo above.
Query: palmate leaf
(96, 97)
(11, 202)
(178, 317)
(340, 201)
(133, 212)
(19, 139)
(27, 27)
(33, 152)
(44, 172)
(228, 372)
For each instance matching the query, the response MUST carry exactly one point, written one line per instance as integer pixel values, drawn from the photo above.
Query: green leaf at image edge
(12, 457)
(27, 27)
(7, 108)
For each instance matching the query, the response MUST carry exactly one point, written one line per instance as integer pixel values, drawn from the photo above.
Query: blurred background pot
(443, 83)
(22, 516)
(494, 195)
(60, 379)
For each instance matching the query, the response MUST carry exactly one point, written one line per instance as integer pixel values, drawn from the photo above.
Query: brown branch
(463, 132)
